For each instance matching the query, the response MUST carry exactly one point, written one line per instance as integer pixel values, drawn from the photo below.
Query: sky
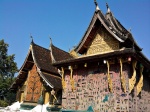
(66, 21)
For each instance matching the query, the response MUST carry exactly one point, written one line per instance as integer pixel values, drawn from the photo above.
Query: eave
(95, 57)
(110, 55)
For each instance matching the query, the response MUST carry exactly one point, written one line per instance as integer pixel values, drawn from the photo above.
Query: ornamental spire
(97, 8)
(108, 9)
(50, 41)
(51, 51)
(31, 38)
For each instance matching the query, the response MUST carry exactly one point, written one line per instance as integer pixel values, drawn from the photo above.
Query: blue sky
(66, 21)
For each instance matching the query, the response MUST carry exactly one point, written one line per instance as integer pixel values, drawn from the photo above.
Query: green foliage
(7, 65)
(10, 97)
(3, 103)
(8, 68)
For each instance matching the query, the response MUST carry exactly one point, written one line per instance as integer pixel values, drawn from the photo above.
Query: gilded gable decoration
(73, 53)
(102, 43)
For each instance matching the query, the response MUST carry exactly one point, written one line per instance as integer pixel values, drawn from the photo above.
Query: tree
(8, 68)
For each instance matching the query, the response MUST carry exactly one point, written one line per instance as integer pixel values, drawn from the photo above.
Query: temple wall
(34, 85)
(91, 89)
(141, 103)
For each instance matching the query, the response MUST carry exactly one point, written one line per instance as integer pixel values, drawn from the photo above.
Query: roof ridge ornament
(108, 9)
(51, 51)
(97, 7)
(50, 40)
(31, 38)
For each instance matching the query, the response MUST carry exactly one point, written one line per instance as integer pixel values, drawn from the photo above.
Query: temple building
(38, 81)
(105, 72)
(108, 71)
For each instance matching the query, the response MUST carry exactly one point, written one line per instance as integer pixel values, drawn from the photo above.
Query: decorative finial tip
(50, 40)
(31, 38)
(107, 5)
(97, 8)
(108, 9)
(95, 2)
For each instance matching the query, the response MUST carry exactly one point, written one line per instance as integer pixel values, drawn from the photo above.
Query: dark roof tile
(52, 79)
(59, 54)
(43, 59)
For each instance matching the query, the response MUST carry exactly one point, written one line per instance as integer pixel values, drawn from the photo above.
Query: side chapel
(106, 71)
(38, 80)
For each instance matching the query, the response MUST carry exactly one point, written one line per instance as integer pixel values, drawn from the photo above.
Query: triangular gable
(97, 23)
(102, 43)
(41, 58)
(23, 72)
(99, 20)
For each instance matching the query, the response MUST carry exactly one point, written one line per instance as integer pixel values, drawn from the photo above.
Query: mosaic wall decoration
(33, 86)
(140, 103)
(91, 89)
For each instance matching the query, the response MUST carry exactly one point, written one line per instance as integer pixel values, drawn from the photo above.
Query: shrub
(3, 103)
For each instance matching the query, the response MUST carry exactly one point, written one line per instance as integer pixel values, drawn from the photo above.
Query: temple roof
(112, 25)
(59, 54)
(42, 58)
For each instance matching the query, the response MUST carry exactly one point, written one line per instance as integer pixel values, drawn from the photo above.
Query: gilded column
(132, 81)
(123, 81)
(108, 77)
(63, 80)
(140, 83)
(71, 78)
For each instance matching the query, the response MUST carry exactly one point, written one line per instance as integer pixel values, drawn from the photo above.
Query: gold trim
(108, 77)
(123, 81)
(132, 81)
(140, 83)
